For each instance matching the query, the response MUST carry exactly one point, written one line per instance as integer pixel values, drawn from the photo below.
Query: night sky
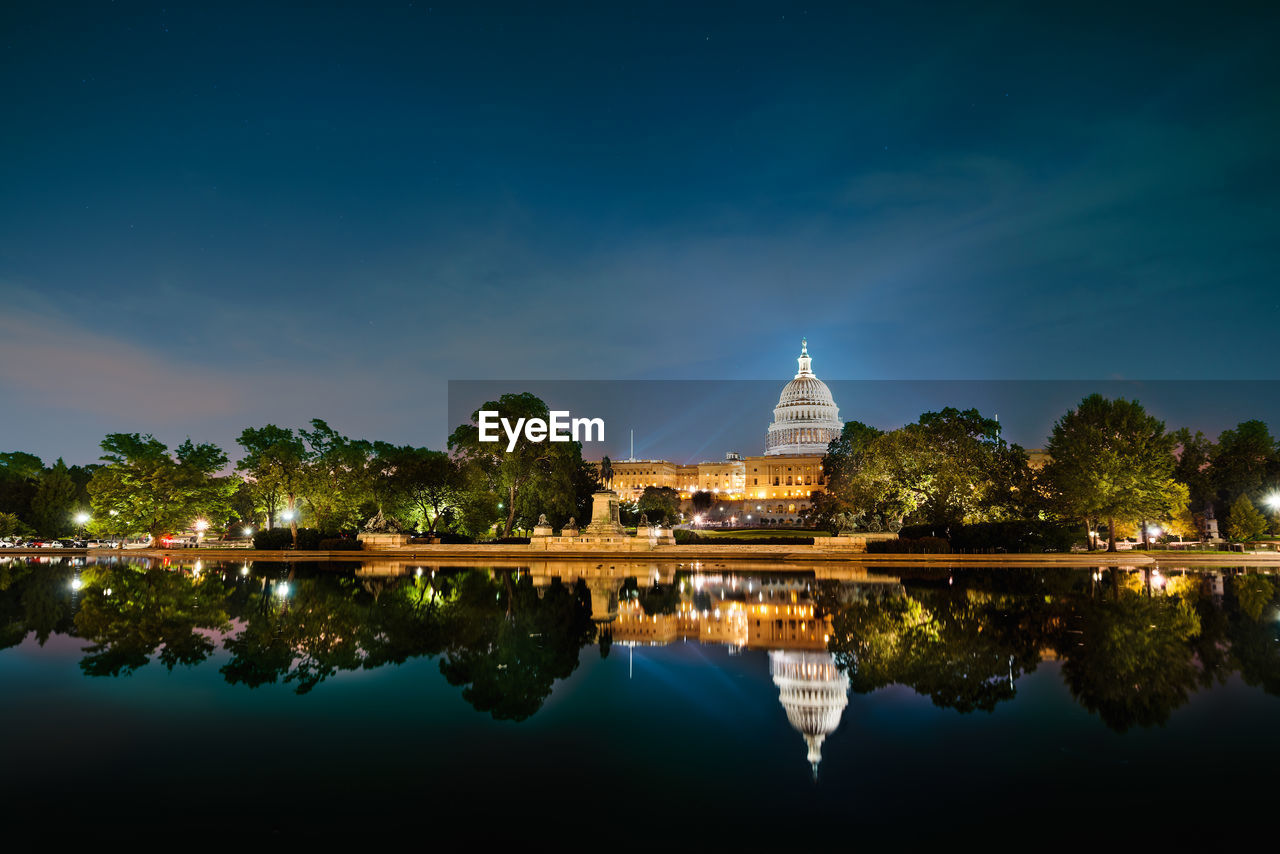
(218, 216)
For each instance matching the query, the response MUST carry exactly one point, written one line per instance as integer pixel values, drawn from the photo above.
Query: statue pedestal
(604, 516)
(382, 542)
(542, 531)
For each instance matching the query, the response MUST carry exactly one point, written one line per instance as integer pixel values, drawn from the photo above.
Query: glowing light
(248, 532)
(82, 518)
(76, 584)
(282, 589)
(201, 525)
(244, 570)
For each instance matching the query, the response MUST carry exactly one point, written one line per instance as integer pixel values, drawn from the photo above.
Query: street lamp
(1273, 501)
(82, 519)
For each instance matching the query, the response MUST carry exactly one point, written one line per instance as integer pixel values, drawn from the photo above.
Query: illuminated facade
(774, 487)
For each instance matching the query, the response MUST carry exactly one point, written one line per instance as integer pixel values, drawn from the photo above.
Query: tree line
(1112, 469)
(312, 477)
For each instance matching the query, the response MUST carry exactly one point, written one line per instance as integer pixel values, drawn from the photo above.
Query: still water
(643, 702)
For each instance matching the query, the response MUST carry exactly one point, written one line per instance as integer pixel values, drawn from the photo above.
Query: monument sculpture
(379, 524)
(382, 533)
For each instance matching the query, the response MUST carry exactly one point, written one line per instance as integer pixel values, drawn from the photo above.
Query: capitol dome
(814, 693)
(806, 418)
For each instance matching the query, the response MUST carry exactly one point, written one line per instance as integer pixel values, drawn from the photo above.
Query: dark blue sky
(225, 215)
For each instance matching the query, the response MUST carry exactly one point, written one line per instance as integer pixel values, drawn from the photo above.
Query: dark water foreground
(714, 708)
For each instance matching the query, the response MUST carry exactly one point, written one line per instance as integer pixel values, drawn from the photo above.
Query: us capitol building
(770, 489)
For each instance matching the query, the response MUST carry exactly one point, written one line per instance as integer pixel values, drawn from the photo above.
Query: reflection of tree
(659, 599)
(508, 645)
(145, 611)
(13, 624)
(1136, 662)
(299, 631)
(963, 649)
(1255, 639)
(46, 600)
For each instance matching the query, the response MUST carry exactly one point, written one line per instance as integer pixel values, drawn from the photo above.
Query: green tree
(1244, 522)
(429, 481)
(1245, 462)
(274, 464)
(840, 507)
(145, 488)
(949, 467)
(533, 478)
(1194, 468)
(660, 503)
(12, 526)
(1110, 460)
(54, 503)
(21, 464)
(702, 501)
(19, 478)
(336, 482)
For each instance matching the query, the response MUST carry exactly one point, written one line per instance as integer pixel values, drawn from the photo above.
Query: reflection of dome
(806, 418)
(813, 692)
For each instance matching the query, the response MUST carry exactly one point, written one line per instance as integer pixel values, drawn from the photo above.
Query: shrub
(1023, 535)
(282, 538)
(309, 539)
(452, 539)
(684, 537)
(272, 539)
(340, 544)
(919, 545)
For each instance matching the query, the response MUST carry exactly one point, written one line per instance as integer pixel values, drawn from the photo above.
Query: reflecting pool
(696, 704)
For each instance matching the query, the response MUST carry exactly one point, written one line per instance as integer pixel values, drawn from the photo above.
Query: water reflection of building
(750, 613)
(814, 693)
(773, 614)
